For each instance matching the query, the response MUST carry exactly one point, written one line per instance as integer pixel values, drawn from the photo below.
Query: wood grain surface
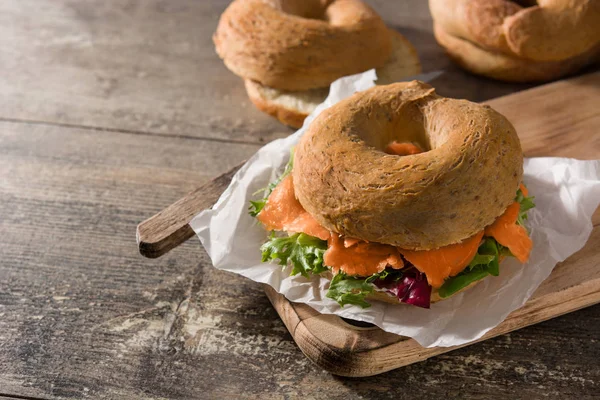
(111, 111)
(169, 228)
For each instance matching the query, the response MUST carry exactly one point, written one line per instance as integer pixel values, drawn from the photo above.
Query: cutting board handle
(169, 228)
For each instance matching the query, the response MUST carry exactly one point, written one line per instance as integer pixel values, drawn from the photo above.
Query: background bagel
(300, 44)
(554, 30)
(506, 68)
(462, 183)
(474, 20)
(519, 40)
(292, 107)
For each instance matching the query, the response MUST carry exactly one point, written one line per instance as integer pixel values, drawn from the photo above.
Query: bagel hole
(403, 148)
(309, 9)
(401, 138)
(379, 126)
(408, 138)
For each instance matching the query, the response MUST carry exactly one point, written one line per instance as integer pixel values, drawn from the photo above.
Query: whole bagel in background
(292, 107)
(301, 44)
(465, 179)
(504, 67)
(519, 40)
(289, 51)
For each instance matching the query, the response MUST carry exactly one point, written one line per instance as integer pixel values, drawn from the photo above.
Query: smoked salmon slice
(283, 212)
(506, 232)
(444, 262)
(524, 190)
(402, 149)
(360, 258)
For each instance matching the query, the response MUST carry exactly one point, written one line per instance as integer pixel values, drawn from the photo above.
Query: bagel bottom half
(506, 68)
(292, 107)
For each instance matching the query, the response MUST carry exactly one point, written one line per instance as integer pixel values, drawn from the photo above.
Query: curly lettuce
(303, 252)
(407, 285)
(347, 289)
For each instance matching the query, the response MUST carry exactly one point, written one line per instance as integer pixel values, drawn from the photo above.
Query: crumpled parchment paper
(567, 192)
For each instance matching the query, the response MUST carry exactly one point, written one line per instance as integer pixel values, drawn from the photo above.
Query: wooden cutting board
(559, 119)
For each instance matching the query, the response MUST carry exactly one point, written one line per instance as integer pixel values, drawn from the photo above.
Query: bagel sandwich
(399, 195)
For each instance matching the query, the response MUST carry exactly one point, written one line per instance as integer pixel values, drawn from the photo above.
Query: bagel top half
(465, 179)
(301, 44)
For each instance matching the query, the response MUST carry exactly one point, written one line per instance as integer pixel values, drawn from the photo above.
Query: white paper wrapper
(567, 192)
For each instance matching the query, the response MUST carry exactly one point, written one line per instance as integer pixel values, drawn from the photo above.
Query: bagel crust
(504, 40)
(292, 107)
(467, 177)
(548, 30)
(301, 44)
(506, 68)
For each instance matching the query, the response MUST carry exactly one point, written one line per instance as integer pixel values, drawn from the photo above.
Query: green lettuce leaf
(350, 290)
(486, 262)
(390, 275)
(526, 204)
(256, 206)
(481, 259)
(303, 252)
(347, 289)
(462, 280)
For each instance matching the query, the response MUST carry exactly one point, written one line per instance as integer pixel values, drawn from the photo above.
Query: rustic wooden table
(110, 111)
